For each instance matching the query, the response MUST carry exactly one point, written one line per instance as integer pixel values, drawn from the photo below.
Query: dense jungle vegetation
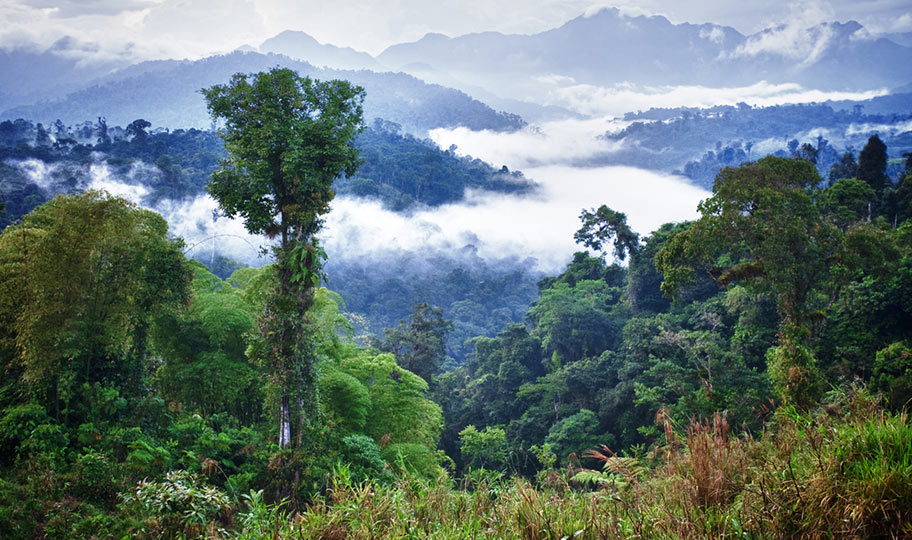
(743, 375)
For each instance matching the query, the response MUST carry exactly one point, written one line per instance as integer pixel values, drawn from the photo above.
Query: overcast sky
(192, 28)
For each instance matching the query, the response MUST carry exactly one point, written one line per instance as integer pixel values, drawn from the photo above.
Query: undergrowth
(842, 471)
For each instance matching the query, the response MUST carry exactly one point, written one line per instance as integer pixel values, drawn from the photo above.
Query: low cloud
(714, 34)
(206, 232)
(500, 226)
(620, 98)
(892, 129)
(557, 142)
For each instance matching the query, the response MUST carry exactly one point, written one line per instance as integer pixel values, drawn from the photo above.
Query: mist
(539, 226)
(615, 100)
(536, 228)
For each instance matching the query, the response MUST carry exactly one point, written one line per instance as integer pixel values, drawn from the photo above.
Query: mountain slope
(167, 94)
(607, 48)
(302, 46)
(28, 73)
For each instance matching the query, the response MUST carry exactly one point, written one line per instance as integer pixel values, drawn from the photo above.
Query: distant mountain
(167, 93)
(607, 47)
(28, 74)
(301, 46)
(902, 38)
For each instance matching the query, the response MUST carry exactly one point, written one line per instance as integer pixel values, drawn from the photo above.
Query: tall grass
(844, 471)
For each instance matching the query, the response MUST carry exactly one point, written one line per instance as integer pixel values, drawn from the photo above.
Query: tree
(419, 345)
(844, 168)
(83, 280)
(205, 367)
(872, 164)
(288, 138)
(600, 226)
(847, 201)
(761, 225)
(137, 129)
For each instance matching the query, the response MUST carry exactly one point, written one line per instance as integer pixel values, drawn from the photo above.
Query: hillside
(167, 94)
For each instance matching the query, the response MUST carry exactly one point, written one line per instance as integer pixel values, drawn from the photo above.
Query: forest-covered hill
(743, 374)
(700, 142)
(166, 93)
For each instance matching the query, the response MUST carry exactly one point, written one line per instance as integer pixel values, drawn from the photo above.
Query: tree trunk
(284, 422)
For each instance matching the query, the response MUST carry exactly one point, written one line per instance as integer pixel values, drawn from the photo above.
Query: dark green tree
(288, 138)
(600, 226)
(872, 164)
(846, 167)
(762, 226)
(419, 345)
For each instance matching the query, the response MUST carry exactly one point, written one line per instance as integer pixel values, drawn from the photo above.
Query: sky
(145, 29)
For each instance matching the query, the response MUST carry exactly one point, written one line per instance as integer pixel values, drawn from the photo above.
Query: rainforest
(303, 291)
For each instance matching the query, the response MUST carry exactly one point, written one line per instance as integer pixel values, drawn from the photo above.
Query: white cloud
(555, 79)
(893, 129)
(557, 142)
(714, 34)
(78, 8)
(618, 99)
(102, 179)
(802, 36)
(191, 28)
(205, 231)
(500, 226)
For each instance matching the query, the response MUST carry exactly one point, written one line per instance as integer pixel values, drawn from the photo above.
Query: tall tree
(288, 138)
(872, 164)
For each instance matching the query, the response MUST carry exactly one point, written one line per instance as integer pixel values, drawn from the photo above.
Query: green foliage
(180, 503)
(419, 345)
(399, 411)
(600, 226)
(365, 458)
(287, 138)
(85, 278)
(847, 201)
(486, 449)
(403, 171)
(210, 338)
(574, 434)
(345, 400)
(414, 459)
(892, 374)
(579, 321)
(755, 211)
(872, 164)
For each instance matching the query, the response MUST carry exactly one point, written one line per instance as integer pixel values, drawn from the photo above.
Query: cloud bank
(617, 99)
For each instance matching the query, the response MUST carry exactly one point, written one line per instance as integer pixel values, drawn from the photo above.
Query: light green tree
(83, 279)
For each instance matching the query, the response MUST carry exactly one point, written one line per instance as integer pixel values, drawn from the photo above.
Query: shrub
(180, 503)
